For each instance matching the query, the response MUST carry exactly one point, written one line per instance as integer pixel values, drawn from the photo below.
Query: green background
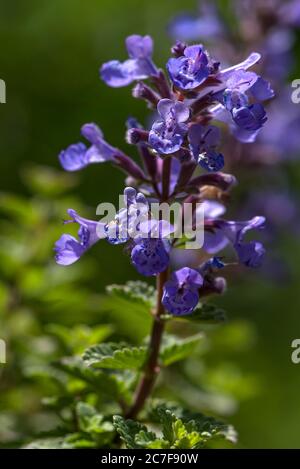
(50, 55)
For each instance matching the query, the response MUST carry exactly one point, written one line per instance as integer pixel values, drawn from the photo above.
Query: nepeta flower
(223, 232)
(69, 249)
(191, 70)
(181, 292)
(227, 73)
(167, 134)
(150, 256)
(203, 142)
(127, 220)
(78, 156)
(262, 90)
(249, 118)
(138, 67)
(250, 254)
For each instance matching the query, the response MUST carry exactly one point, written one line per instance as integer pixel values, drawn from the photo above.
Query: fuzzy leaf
(134, 434)
(112, 385)
(115, 356)
(138, 291)
(186, 430)
(207, 313)
(175, 349)
(130, 304)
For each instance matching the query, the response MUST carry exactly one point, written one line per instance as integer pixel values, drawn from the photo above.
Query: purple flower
(228, 73)
(262, 90)
(69, 249)
(250, 118)
(203, 142)
(189, 28)
(150, 256)
(181, 292)
(127, 220)
(281, 132)
(167, 134)
(191, 70)
(78, 156)
(247, 118)
(250, 254)
(138, 67)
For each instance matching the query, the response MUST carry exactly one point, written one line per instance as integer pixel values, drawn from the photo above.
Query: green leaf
(207, 313)
(138, 291)
(186, 430)
(174, 349)
(92, 422)
(48, 181)
(130, 304)
(134, 434)
(79, 441)
(71, 441)
(79, 337)
(113, 385)
(46, 443)
(47, 374)
(115, 356)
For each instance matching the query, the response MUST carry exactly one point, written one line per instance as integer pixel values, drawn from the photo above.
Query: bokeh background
(49, 59)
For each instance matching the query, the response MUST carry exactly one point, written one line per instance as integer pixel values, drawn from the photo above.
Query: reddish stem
(151, 369)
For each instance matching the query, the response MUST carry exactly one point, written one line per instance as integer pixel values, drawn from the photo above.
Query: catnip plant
(180, 161)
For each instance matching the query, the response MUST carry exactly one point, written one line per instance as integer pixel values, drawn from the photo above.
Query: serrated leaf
(149, 440)
(130, 304)
(115, 356)
(110, 384)
(167, 419)
(134, 434)
(138, 291)
(185, 430)
(174, 349)
(207, 313)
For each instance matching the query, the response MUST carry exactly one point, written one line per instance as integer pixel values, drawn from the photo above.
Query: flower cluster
(181, 162)
(271, 28)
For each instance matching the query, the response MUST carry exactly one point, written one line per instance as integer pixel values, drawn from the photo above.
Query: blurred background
(50, 56)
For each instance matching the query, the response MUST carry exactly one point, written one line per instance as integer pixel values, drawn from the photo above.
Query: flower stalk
(152, 368)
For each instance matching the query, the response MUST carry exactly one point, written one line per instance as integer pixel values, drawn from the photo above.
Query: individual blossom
(191, 70)
(68, 249)
(167, 133)
(150, 248)
(150, 256)
(241, 97)
(249, 118)
(127, 220)
(78, 156)
(181, 292)
(223, 232)
(203, 142)
(138, 67)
